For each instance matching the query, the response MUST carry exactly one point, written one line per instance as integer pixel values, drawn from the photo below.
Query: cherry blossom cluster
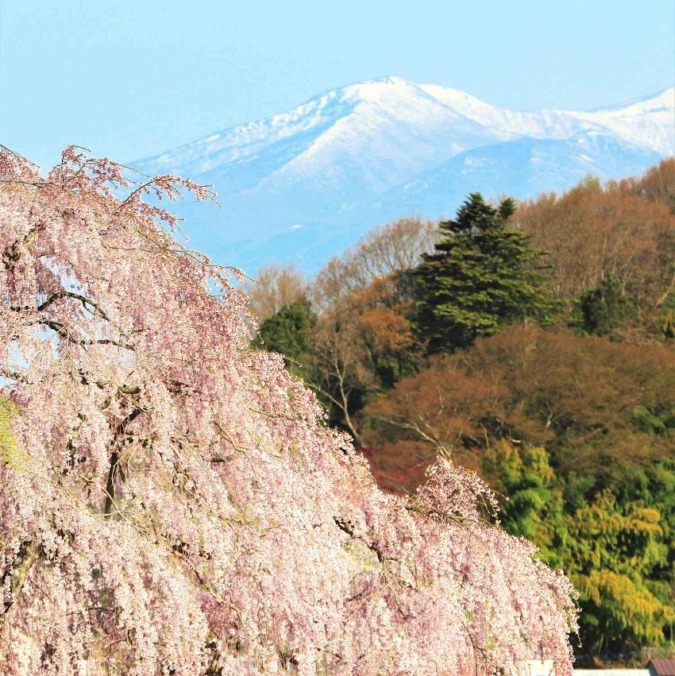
(173, 501)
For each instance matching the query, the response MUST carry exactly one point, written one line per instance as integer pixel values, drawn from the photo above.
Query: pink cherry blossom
(174, 503)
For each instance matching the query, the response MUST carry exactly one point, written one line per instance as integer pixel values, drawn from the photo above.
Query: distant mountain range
(300, 186)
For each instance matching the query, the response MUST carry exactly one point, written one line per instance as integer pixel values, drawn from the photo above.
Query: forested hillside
(534, 343)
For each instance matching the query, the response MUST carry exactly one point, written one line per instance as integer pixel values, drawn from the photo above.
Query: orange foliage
(359, 345)
(578, 396)
(626, 229)
(657, 184)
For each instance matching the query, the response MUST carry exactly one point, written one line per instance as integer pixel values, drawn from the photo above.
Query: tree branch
(346, 527)
(12, 375)
(70, 294)
(63, 331)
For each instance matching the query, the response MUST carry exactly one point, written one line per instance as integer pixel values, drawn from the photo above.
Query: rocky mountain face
(300, 186)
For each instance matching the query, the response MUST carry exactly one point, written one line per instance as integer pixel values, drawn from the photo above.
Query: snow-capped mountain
(303, 184)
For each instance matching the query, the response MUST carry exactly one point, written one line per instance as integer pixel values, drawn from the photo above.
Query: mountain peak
(380, 89)
(394, 80)
(368, 152)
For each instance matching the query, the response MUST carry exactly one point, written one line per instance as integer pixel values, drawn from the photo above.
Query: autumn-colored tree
(440, 410)
(360, 341)
(361, 344)
(171, 501)
(625, 231)
(388, 252)
(587, 400)
(273, 288)
(482, 276)
(442, 406)
(390, 249)
(656, 185)
(577, 432)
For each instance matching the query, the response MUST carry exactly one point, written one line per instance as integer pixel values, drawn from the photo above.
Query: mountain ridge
(356, 156)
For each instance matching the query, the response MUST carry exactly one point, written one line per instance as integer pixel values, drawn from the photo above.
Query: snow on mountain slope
(380, 132)
(648, 122)
(545, 124)
(247, 141)
(354, 157)
(523, 167)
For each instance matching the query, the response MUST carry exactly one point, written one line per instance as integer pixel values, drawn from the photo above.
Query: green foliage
(614, 549)
(575, 429)
(666, 317)
(483, 275)
(604, 308)
(616, 545)
(667, 324)
(577, 432)
(534, 508)
(11, 452)
(656, 419)
(288, 332)
(619, 612)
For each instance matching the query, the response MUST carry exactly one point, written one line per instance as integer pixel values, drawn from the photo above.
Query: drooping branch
(440, 514)
(12, 253)
(63, 331)
(191, 537)
(441, 447)
(11, 374)
(87, 303)
(346, 527)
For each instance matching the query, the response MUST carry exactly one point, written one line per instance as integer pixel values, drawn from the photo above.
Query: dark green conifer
(288, 332)
(482, 276)
(605, 307)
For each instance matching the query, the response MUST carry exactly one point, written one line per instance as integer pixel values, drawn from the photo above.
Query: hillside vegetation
(534, 343)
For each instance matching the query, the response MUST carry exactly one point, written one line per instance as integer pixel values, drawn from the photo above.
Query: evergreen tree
(287, 332)
(482, 276)
(605, 307)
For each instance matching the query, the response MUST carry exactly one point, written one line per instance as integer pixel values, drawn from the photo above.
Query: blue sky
(131, 78)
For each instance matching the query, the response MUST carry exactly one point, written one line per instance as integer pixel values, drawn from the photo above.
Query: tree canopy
(624, 231)
(287, 332)
(172, 500)
(577, 432)
(482, 276)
